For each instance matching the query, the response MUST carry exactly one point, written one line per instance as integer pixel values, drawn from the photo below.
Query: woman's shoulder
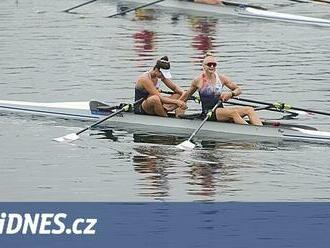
(223, 77)
(143, 78)
(198, 80)
(199, 77)
(140, 81)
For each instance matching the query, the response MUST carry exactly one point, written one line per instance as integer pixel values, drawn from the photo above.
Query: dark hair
(163, 63)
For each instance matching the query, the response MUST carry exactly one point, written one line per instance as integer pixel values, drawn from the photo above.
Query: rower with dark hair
(148, 87)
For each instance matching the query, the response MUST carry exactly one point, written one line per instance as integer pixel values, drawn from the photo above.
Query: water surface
(47, 55)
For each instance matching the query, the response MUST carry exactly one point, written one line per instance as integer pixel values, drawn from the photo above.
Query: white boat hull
(161, 125)
(239, 11)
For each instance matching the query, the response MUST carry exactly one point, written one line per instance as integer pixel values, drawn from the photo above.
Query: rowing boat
(243, 10)
(94, 110)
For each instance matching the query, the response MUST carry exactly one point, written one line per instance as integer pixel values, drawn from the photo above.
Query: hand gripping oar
(282, 106)
(187, 144)
(74, 136)
(80, 5)
(136, 8)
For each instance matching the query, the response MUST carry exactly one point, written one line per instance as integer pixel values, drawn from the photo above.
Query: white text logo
(45, 223)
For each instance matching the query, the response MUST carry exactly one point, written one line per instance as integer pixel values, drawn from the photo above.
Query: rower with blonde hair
(211, 87)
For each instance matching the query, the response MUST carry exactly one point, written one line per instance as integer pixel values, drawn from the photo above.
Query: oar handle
(136, 8)
(80, 5)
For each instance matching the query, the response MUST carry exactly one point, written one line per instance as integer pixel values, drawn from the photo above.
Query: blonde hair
(208, 54)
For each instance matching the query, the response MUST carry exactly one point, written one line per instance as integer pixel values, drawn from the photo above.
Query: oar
(80, 5)
(300, 1)
(74, 136)
(310, 1)
(136, 8)
(187, 144)
(242, 5)
(267, 107)
(282, 106)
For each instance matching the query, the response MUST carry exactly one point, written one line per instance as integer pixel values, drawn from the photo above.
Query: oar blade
(67, 138)
(186, 145)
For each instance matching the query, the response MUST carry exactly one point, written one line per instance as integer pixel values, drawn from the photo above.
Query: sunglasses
(211, 64)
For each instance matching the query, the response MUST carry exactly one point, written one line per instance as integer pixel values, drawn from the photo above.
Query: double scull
(93, 111)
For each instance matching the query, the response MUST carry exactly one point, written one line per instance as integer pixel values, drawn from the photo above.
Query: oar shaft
(300, 1)
(100, 121)
(272, 104)
(242, 5)
(310, 1)
(136, 8)
(311, 111)
(322, 1)
(205, 119)
(194, 98)
(107, 117)
(253, 101)
(197, 130)
(267, 107)
(80, 5)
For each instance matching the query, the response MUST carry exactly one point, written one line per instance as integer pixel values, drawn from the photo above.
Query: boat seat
(191, 116)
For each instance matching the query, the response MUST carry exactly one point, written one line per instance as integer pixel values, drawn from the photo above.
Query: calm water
(48, 55)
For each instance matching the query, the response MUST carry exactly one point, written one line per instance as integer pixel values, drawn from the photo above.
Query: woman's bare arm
(173, 86)
(192, 89)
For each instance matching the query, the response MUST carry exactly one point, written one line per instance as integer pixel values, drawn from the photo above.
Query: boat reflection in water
(173, 140)
(151, 162)
(165, 170)
(203, 174)
(213, 171)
